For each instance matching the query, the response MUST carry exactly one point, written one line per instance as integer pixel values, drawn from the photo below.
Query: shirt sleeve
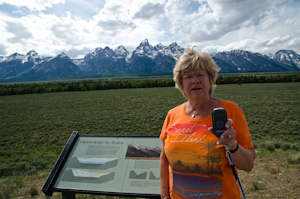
(163, 134)
(240, 125)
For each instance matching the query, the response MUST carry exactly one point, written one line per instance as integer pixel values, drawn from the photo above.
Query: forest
(89, 85)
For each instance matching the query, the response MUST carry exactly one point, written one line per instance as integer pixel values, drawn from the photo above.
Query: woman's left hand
(243, 158)
(228, 137)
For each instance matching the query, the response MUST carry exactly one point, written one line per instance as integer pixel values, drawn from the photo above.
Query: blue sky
(77, 27)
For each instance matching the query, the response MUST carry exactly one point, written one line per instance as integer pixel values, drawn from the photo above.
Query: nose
(197, 79)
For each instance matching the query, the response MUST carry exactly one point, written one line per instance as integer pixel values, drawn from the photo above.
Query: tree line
(258, 79)
(89, 85)
(86, 85)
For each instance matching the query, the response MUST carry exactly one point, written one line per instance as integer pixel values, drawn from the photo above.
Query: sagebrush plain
(34, 128)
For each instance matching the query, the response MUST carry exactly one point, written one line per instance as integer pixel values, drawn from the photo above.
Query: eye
(200, 75)
(187, 77)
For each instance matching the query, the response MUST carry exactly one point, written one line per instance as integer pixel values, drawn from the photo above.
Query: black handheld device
(219, 119)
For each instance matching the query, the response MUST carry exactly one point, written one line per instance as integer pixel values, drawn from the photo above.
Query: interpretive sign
(107, 165)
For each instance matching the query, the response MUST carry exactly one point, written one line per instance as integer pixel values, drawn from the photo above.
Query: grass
(272, 110)
(34, 128)
(273, 175)
(9, 186)
(258, 186)
(33, 191)
(294, 158)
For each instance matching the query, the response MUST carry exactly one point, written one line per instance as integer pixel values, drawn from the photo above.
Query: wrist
(234, 149)
(232, 145)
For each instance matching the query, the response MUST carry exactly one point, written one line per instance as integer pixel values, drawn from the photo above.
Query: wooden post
(68, 195)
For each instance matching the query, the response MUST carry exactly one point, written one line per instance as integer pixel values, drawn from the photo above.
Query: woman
(193, 163)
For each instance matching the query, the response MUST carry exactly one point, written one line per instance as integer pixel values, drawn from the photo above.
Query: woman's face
(196, 84)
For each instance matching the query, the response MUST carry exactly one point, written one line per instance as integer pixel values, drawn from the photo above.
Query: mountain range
(142, 151)
(145, 59)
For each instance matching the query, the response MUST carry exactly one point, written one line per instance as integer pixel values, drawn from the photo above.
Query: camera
(219, 119)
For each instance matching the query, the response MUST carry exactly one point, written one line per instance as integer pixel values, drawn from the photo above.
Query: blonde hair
(191, 60)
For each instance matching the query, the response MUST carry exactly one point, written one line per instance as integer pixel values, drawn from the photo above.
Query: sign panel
(128, 165)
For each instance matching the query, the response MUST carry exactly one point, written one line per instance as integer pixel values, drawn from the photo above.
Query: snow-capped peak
(121, 50)
(62, 55)
(159, 47)
(108, 51)
(288, 57)
(173, 50)
(95, 52)
(15, 56)
(121, 53)
(145, 49)
(174, 44)
(98, 49)
(145, 42)
(32, 54)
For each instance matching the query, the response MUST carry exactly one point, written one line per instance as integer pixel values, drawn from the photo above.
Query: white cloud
(175, 7)
(19, 31)
(150, 10)
(2, 49)
(49, 34)
(262, 27)
(33, 4)
(79, 26)
(115, 24)
(226, 16)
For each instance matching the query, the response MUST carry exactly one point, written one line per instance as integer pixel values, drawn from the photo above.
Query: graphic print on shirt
(196, 161)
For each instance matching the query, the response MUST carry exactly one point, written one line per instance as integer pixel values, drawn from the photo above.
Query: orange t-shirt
(198, 166)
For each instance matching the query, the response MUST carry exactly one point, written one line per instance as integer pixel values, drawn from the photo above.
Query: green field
(34, 128)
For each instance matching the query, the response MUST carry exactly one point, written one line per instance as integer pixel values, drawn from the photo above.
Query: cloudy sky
(77, 27)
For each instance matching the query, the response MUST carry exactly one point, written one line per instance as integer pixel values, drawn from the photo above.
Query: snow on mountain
(94, 53)
(14, 57)
(287, 57)
(144, 49)
(145, 59)
(31, 56)
(121, 50)
(173, 50)
(79, 63)
(247, 61)
(159, 47)
(106, 52)
(120, 53)
(128, 57)
(63, 56)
